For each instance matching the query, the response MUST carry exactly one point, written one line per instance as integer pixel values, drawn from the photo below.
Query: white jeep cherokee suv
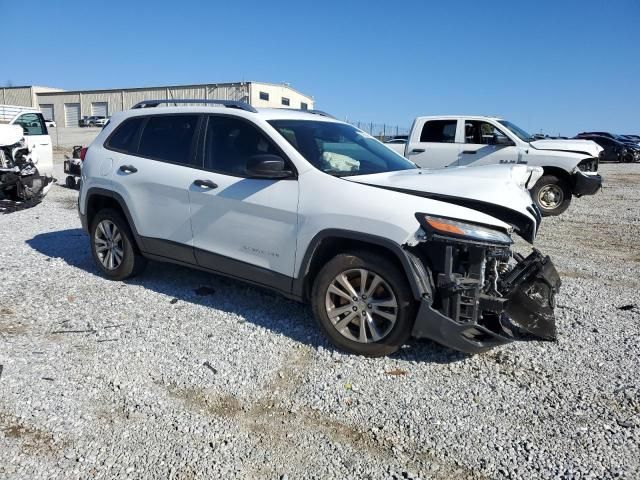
(318, 210)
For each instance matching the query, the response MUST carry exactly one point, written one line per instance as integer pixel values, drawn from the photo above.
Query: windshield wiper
(340, 173)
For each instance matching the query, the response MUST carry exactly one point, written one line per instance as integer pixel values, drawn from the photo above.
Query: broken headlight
(453, 228)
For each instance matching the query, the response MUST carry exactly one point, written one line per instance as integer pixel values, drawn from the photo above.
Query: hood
(496, 190)
(10, 134)
(587, 147)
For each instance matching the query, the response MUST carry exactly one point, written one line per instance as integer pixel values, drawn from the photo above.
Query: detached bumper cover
(524, 312)
(584, 184)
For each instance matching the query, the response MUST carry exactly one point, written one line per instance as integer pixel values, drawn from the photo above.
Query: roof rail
(314, 112)
(225, 103)
(320, 112)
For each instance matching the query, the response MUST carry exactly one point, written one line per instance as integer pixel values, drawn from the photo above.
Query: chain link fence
(381, 131)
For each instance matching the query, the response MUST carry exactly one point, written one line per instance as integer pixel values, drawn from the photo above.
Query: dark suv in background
(616, 147)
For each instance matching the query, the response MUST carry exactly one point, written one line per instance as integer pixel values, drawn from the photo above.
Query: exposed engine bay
(482, 295)
(20, 180)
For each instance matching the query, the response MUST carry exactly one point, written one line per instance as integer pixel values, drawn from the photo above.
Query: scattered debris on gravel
(157, 378)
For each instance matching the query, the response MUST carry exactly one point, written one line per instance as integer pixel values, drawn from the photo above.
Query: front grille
(535, 211)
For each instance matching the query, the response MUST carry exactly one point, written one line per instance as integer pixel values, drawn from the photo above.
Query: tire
(70, 181)
(552, 195)
(394, 287)
(131, 262)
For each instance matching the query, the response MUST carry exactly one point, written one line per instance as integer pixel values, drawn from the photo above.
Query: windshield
(339, 149)
(520, 133)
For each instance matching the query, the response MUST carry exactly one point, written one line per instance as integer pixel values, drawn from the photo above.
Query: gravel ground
(180, 374)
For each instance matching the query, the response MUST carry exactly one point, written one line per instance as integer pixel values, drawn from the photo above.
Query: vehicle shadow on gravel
(251, 304)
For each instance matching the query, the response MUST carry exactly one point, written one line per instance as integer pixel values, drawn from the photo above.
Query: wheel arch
(329, 243)
(99, 198)
(561, 173)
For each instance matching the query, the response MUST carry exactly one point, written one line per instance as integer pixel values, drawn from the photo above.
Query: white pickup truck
(570, 166)
(26, 153)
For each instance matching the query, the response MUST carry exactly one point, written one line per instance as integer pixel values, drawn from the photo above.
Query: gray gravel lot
(159, 378)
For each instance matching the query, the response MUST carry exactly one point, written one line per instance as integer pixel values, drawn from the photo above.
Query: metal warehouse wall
(123, 99)
(21, 96)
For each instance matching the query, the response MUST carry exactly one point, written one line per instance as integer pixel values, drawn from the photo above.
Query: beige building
(66, 108)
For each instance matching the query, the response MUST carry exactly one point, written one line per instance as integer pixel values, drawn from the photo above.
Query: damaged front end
(478, 294)
(19, 177)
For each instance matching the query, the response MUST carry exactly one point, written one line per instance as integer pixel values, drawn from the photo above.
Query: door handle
(205, 184)
(469, 152)
(128, 169)
(418, 150)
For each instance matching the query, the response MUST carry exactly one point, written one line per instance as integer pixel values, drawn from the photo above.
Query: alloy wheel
(361, 305)
(109, 244)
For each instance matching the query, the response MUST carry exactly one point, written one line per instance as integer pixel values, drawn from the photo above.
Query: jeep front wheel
(364, 304)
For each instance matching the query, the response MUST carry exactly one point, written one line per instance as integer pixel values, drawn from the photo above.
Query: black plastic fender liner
(464, 337)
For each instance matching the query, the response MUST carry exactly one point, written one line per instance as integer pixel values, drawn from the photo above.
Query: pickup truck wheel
(552, 195)
(113, 247)
(364, 304)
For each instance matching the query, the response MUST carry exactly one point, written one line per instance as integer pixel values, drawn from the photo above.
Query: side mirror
(501, 140)
(267, 166)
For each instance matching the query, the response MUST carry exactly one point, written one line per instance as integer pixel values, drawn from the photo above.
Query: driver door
(486, 144)
(244, 227)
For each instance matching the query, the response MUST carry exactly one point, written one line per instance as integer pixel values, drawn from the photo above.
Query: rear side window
(125, 135)
(439, 131)
(169, 138)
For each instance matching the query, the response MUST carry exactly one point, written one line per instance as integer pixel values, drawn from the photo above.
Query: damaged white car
(321, 212)
(570, 166)
(21, 180)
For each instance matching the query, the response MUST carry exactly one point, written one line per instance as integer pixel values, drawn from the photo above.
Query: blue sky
(559, 66)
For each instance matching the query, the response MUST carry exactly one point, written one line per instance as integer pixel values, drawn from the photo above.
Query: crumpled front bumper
(586, 184)
(525, 311)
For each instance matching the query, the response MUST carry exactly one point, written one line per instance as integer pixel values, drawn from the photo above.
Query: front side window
(304, 106)
(264, 96)
(169, 138)
(439, 131)
(285, 101)
(482, 133)
(123, 139)
(339, 149)
(32, 124)
(231, 142)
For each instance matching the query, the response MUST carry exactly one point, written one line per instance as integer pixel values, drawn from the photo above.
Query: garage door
(71, 114)
(47, 111)
(99, 109)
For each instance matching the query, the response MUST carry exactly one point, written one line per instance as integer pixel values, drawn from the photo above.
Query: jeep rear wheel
(113, 247)
(364, 304)
(552, 195)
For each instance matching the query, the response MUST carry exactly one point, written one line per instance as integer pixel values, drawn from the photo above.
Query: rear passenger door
(154, 162)
(242, 226)
(433, 143)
